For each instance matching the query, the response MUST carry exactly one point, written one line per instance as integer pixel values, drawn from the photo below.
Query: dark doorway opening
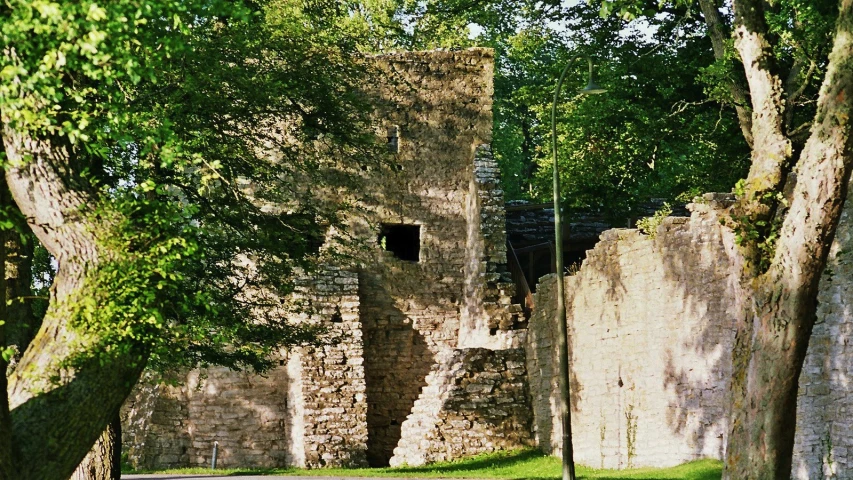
(404, 241)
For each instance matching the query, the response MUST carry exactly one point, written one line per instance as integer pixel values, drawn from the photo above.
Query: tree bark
(58, 412)
(771, 150)
(103, 462)
(22, 323)
(8, 467)
(773, 335)
(718, 34)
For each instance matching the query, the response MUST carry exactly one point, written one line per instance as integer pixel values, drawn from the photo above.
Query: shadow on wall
(179, 425)
(824, 402)
(440, 107)
(651, 326)
(541, 352)
(701, 262)
(396, 363)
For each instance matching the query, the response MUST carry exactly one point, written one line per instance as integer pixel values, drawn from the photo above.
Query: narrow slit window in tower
(393, 138)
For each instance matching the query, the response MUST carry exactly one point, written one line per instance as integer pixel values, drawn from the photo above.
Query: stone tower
(429, 366)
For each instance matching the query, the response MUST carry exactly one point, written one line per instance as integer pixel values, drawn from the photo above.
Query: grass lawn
(519, 464)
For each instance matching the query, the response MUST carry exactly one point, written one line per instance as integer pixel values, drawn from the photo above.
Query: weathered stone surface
(446, 184)
(651, 334)
(426, 365)
(474, 402)
(308, 411)
(650, 339)
(824, 443)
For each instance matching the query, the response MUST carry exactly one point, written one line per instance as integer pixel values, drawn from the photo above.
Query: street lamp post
(562, 337)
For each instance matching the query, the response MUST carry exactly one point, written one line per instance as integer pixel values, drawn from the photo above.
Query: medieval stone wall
(310, 410)
(651, 330)
(177, 426)
(425, 235)
(439, 106)
(824, 443)
(424, 366)
(488, 285)
(476, 401)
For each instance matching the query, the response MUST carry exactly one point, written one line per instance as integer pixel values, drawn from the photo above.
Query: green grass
(519, 464)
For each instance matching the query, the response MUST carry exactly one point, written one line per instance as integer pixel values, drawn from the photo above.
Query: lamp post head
(591, 87)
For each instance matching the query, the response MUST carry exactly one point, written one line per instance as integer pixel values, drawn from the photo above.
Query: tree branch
(795, 85)
(772, 149)
(718, 33)
(825, 164)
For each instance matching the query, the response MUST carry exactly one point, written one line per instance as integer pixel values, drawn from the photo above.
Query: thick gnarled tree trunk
(780, 303)
(57, 412)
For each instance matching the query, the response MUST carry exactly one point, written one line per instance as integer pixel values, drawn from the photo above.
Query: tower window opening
(404, 241)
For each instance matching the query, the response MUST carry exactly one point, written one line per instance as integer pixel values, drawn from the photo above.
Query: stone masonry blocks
(650, 341)
(651, 332)
(475, 401)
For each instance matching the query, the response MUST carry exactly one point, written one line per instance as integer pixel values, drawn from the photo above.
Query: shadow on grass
(514, 465)
(190, 473)
(485, 462)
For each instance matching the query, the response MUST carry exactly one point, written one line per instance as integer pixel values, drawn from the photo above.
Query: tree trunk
(22, 323)
(103, 462)
(771, 149)
(8, 466)
(57, 411)
(780, 305)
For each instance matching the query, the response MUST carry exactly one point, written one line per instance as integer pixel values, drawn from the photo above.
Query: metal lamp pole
(562, 337)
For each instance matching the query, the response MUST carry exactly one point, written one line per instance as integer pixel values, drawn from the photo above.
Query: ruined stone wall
(310, 410)
(177, 426)
(333, 392)
(425, 235)
(651, 331)
(488, 285)
(476, 401)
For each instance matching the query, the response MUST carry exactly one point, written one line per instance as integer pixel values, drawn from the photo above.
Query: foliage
(43, 273)
(649, 225)
(518, 464)
(802, 38)
(758, 232)
(173, 143)
(171, 109)
(654, 134)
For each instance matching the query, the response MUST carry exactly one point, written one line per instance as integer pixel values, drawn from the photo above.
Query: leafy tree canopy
(156, 149)
(168, 109)
(664, 129)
